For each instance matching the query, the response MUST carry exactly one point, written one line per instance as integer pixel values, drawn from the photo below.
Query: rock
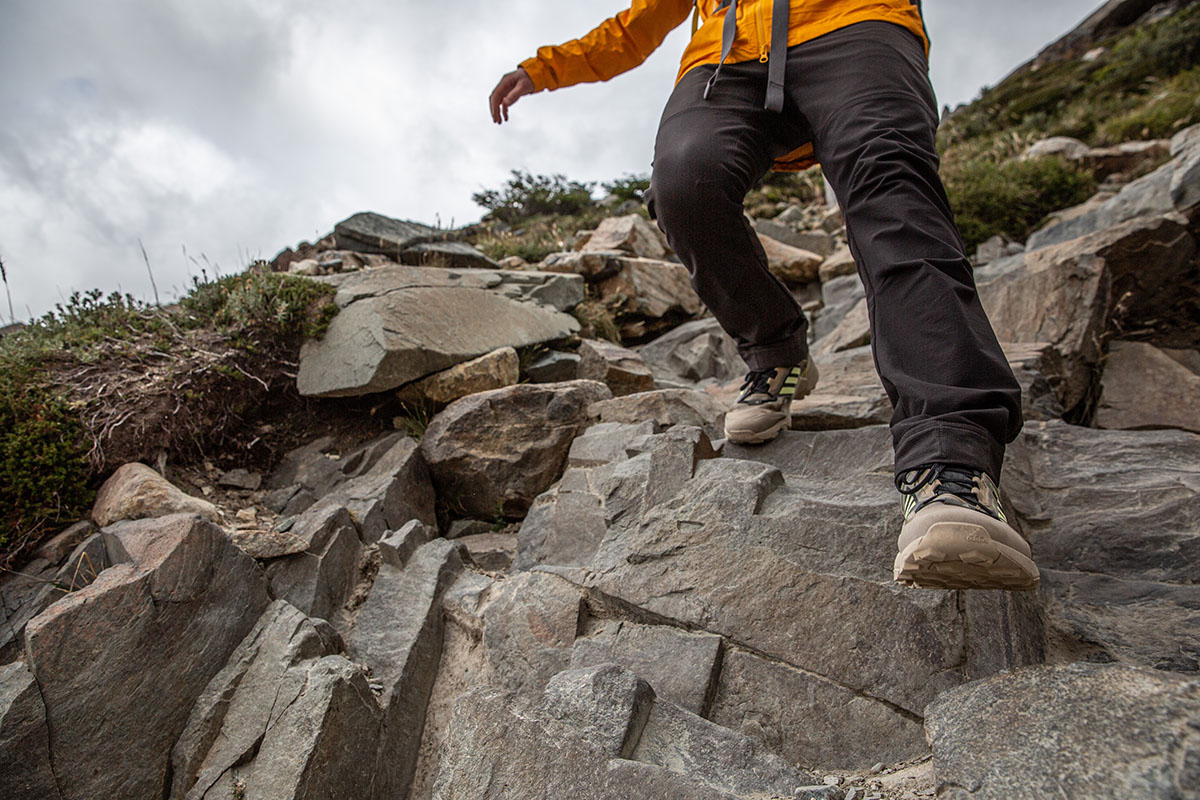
(758, 697)
(994, 249)
(619, 368)
(665, 407)
(394, 489)
(681, 667)
(313, 749)
(57, 548)
(240, 479)
(398, 635)
(239, 706)
(1114, 512)
(838, 296)
(790, 264)
(608, 481)
(1125, 157)
(392, 329)
(629, 234)
(553, 367)
(490, 552)
(594, 266)
(397, 547)
(493, 370)
(650, 289)
(693, 352)
(779, 230)
(1062, 146)
(493, 452)
(28, 773)
(789, 522)
(309, 466)
(599, 733)
(839, 262)
(1117, 732)
(854, 330)
(1143, 387)
(848, 394)
(529, 625)
(319, 580)
(135, 491)
(268, 544)
(141, 643)
(833, 220)
(468, 527)
(406, 242)
(1070, 295)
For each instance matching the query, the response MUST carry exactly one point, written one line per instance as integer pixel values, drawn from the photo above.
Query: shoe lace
(951, 480)
(758, 381)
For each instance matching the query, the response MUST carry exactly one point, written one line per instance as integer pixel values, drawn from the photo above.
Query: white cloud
(238, 127)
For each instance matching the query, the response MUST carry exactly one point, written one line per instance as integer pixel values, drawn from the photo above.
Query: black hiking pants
(862, 96)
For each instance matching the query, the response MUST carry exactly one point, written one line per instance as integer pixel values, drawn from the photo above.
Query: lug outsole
(959, 555)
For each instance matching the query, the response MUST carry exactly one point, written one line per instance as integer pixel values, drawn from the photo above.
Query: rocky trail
(567, 585)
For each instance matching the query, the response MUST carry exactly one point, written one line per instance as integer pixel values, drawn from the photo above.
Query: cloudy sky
(220, 131)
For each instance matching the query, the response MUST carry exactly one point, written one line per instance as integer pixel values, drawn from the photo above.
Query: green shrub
(1011, 197)
(630, 187)
(279, 307)
(525, 196)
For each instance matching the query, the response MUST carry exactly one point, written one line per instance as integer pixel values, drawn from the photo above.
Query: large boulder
(397, 324)
(1144, 387)
(620, 368)
(1071, 295)
(665, 407)
(631, 234)
(406, 242)
(387, 490)
(784, 551)
(599, 733)
(1075, 730)
(135, 491)
(790, 264)
(1113, 519)
(238, 709)
(491, 453)
(123, 659)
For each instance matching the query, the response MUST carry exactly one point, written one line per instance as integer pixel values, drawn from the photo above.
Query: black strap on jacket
(776, 58)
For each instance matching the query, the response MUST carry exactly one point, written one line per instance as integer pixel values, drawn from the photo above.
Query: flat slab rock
(406, 242)
(400, 323)
(1077, 730)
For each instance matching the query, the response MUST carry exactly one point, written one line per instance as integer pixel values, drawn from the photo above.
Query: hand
(511, 88)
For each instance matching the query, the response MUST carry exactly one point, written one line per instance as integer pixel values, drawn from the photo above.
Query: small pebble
(878, 768)
(247, 514)
(831, 780)
(852, 794)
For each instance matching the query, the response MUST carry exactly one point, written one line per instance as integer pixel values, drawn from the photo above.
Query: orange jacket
(623, 42)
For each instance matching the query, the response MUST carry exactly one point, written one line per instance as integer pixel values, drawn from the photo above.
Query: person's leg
(864, 90)
(865, 93)
(707, 156)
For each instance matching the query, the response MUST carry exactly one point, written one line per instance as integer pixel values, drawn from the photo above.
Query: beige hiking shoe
(955, 535)
(764, 407)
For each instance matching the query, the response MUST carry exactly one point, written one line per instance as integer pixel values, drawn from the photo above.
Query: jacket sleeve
(616, 45)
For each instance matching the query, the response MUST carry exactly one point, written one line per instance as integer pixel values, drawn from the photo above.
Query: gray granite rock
(141, 643)
(492, 453)
(319, 580)
(392, 329)
(693, 352)
(1143, 387)
(231, 717)
(529, 625)
(665, 407)
(680, 666)
(398, 636)
(27, 772)
(1075, 730)
(619, 368)
(554, 366)
(395, 488)
(406, 242)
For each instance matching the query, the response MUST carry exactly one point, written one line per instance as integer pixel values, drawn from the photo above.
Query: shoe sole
(757, 437)
(959, 555)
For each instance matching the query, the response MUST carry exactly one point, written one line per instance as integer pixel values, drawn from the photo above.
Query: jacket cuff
(541, 77)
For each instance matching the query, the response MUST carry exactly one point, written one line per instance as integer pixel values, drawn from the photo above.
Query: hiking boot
(955, 535)
(764, 407)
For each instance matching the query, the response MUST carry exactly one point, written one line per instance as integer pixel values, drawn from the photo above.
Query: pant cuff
(780, 354)
(949, 443)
